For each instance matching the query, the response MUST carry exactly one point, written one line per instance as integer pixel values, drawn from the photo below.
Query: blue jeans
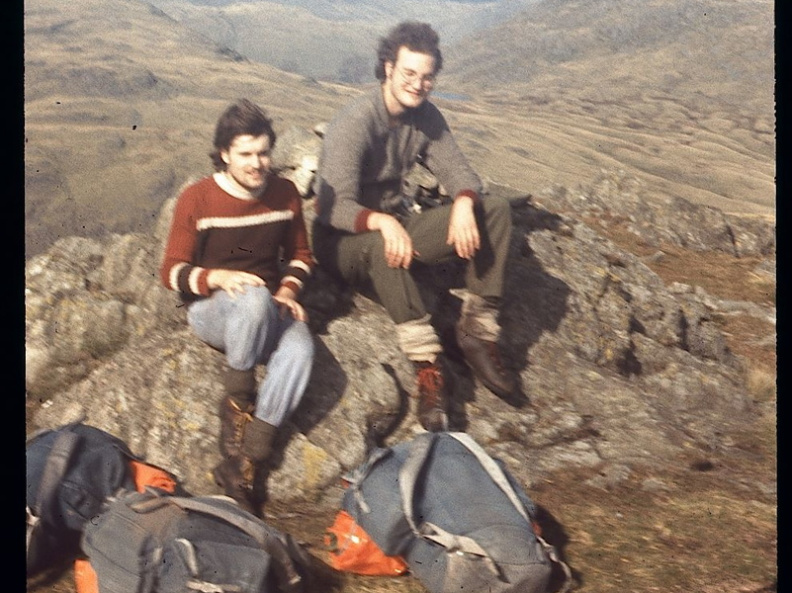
(250, 330)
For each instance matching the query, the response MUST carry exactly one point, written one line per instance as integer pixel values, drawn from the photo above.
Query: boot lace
(239, 420)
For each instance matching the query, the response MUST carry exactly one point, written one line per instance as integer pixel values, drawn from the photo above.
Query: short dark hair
(415, 36)
(239, 119)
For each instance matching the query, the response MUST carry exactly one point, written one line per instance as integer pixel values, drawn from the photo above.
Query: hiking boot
(232, 426)
(236, 409)
(235, 476)
(257, 439)
(431, 397)
(484, 359)
(257, 446)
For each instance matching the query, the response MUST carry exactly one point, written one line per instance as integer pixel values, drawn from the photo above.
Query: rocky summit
(621, 370)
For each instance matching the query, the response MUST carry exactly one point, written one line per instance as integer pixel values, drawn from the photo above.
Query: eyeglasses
(411, 77)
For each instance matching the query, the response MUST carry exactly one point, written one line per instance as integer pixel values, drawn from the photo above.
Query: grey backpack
(455, 515)
(155, 543)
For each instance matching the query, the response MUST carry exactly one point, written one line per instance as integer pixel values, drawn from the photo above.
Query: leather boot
(257, 447)
(484, 359)
(257, 440)
(235, 472)
(235, 476)
(432, 405)
(236, 409)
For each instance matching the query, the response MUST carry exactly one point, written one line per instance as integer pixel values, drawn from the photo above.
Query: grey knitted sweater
(363, 160)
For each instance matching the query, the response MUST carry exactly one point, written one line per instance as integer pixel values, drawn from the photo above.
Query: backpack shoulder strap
(51, 477)
(493, 469)
(408, 477)
(356, 476)
(497, 475)
(408, 474)
(417, 458)
(270, 540)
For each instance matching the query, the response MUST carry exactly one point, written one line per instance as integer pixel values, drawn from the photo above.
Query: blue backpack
(71, 471)
(453, 513)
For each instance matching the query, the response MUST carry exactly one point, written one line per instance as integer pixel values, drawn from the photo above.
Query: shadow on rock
(554, 534)
(325, 389)
(382, 423)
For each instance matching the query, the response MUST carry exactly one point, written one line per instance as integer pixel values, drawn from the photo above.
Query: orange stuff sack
(352, 550)
(85, 580)
(151, 475)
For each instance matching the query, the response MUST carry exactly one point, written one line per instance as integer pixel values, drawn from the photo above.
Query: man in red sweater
(238, 255)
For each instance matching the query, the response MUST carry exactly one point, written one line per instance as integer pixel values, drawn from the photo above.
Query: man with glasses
(369, 229)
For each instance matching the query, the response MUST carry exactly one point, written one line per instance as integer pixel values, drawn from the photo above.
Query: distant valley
(328, 39)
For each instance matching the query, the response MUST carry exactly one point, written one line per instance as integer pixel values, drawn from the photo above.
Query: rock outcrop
(621, 370)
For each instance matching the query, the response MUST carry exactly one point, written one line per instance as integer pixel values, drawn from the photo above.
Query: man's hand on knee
(232, 281)
(398, 243)
(463, 231)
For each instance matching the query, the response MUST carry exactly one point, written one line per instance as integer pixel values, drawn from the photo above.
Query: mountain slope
(679, 94)
(120, 104)
(328, 40)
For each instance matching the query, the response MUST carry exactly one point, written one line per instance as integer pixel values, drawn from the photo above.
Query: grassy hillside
(120, 104)
(679, 94)
(120, 101)
(327, 39)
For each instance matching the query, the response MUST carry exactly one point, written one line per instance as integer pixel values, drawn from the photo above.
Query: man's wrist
(467, 194)
(464, 199)
(376, 220)
(211, 281)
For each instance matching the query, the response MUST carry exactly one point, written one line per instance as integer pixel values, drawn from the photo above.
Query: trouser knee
(248, 327)
(497, 211)
(254, 306)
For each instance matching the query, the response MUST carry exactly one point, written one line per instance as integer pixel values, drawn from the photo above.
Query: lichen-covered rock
(673, 220)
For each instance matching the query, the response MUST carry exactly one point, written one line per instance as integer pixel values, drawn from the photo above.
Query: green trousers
(360, 257)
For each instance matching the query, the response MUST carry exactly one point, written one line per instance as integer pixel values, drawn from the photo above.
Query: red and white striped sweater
(217, 227)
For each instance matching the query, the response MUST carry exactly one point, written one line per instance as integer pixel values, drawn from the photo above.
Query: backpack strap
(553, 555)
(356, 476)
(493, 469)
(52, 474)
(496, 473)
(408, 476)
(271, 541)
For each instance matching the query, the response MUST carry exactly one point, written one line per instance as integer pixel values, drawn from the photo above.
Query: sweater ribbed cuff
(361, 220)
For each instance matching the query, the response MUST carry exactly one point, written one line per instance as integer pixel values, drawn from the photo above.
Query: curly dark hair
(239, 119)
(415, 36)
